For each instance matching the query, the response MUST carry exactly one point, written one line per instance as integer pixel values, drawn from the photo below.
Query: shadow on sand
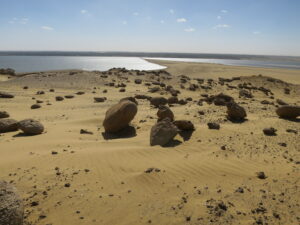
(127, 132)
(186, 134)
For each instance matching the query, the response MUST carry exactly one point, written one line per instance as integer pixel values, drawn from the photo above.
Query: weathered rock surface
(8, 125)
(157, 101)
(119, 116)
(184, 125)
(235, 111)
(31, 127)
(164, 112)
(11, 205)
(4, 114)
(288, 111)
(163, 132)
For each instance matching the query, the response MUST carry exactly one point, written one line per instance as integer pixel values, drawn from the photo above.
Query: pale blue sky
(202, 26)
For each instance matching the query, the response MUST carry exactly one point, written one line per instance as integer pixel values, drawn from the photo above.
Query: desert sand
(205, 177)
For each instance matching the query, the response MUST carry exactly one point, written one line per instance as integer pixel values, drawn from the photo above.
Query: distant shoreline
(151, 54)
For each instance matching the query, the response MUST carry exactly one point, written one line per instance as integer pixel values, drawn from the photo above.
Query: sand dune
(75, 178)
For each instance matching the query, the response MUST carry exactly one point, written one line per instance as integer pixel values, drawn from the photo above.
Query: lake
(43, 63)
(23, 63)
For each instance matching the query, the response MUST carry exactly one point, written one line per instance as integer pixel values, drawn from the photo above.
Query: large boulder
(184, 125)
(157, 101)
(8, 125)
(5, 95)
(119, 116)
(31, 127)
(163, 132)
(11, 205)
(288, 111)
(164, 112)
(235, 111)
(4, 114)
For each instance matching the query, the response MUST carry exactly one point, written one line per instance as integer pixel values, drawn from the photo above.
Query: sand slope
(198, 183)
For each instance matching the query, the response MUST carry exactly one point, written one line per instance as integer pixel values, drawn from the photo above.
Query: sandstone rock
(184, 125)
(8, 125)
(157, 101)
(163, 132)
(11, 205)
(31, 127)
(288, 111)
(4, 114)
(119, 116)
(6, 95)
(164, 112)
(235, 112)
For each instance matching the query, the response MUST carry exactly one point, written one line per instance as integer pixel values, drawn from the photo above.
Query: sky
(269, 27)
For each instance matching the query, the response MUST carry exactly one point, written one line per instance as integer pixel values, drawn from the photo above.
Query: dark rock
(281, 102)
(261, 175)
(184, 125)
(11, 205)
(69, 96)
(8, 71)
(80, 93)
(6, 95)
(270, 131)
(162, 132)
(31, 127)
(8, 125)
(288, 112)
(235, 112)
(4, 114)
(220, 99)
(214, 126)
(35, 106)
(157, 101)
(119, 116)
(122, 90)
(84, 131)
(100, 99)
(59, 98)
(138, 81)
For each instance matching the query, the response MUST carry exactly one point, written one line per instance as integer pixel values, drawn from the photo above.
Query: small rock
(270, 131)
(35, 106)
(261, 175)
(3, 114)
(59, 98)
(214, 126)
(164, 112)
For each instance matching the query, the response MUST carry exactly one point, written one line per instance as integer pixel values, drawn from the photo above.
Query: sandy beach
(208, 176)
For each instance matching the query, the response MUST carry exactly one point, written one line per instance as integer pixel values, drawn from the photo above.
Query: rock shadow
(186, 134)
(127, 132)
(172, 143)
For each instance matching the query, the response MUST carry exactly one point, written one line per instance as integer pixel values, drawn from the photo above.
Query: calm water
(102, 63)
(241, 62)
(43, 63)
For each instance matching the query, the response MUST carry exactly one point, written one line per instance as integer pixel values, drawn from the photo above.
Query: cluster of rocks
(27, 126)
